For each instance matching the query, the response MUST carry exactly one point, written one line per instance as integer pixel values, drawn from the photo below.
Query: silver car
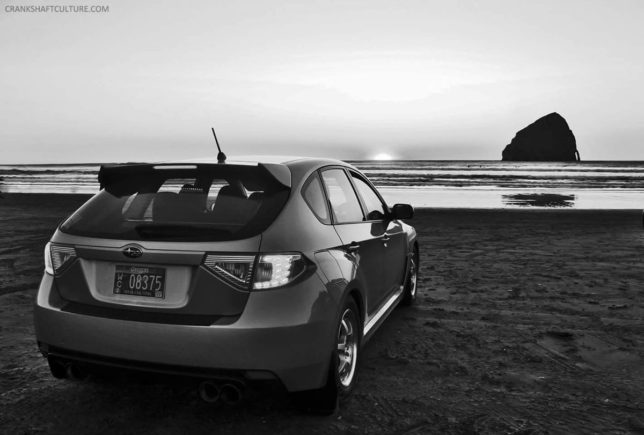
(255, 269)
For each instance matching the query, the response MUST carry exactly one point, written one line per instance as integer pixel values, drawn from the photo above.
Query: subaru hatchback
(257, 269)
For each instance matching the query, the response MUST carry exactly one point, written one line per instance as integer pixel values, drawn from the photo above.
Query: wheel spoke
(345, 361)
(342, 364)
(344, 328)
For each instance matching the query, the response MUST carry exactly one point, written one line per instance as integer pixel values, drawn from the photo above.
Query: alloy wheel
(413, 277)
(347, 348)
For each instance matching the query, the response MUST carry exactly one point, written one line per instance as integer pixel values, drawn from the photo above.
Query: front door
(389, 232)
(359, 237)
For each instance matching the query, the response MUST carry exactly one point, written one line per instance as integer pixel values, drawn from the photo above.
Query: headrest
(232, 190)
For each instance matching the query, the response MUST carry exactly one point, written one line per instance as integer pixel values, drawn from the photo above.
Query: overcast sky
(346, 79)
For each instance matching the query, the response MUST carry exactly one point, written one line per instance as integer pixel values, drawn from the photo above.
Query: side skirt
(383, 312)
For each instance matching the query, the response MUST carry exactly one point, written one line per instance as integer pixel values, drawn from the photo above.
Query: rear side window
(211, 203)
(343, 199)
(314, 197)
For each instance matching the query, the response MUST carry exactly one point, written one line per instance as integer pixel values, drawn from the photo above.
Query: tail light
(271, 270)
(58, 257)
(236, 270)
(49, 268)
(276, 270)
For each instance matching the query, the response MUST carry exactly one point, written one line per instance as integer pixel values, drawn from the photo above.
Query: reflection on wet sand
(539, 200)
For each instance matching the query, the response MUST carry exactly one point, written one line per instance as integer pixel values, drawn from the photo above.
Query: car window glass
(213, 203)
(314, 197)
(343, 199)
(375, 209)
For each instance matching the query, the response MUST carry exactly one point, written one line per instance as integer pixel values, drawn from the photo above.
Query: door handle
(353, 247)
(385, 238)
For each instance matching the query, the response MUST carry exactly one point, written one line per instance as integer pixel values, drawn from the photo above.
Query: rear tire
(343, 365)
(345, 355)
(411, 286)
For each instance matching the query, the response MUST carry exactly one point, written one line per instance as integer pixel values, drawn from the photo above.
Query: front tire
(411, 286)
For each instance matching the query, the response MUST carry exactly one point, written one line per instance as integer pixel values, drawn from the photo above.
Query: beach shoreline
(526, 320)
(426, 183)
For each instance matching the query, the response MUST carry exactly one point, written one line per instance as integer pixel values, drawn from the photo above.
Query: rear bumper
(288, 332)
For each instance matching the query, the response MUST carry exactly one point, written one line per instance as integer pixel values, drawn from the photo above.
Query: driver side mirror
(402, 211)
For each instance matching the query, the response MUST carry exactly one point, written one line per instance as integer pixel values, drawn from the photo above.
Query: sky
(342, 79)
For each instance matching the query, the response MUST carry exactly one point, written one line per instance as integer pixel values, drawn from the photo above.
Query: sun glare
(382, 156)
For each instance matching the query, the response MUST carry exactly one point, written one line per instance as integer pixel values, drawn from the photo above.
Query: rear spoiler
(114, 173)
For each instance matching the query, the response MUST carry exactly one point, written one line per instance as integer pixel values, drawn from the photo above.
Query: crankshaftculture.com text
(58, 9)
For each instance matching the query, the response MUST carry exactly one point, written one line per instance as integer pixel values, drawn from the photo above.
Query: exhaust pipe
(57, 368)
(209, 391)
(76, 373)
(231, 394)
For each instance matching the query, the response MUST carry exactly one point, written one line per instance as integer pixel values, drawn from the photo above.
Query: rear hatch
(168, 243)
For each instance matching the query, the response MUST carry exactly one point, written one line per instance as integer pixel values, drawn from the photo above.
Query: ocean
(426, 183)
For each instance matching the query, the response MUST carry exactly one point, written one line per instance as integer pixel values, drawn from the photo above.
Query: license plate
(140, 281)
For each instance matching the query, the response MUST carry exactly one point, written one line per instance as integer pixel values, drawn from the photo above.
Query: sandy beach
(527, 322)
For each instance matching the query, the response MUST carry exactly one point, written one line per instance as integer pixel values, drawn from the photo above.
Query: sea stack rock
(548, 139)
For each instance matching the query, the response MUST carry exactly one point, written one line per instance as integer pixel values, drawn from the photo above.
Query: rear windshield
(212, 203)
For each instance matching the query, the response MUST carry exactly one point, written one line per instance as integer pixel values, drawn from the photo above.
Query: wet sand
(526, 322)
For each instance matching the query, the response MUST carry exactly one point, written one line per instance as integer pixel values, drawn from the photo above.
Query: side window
(343, 199)
(314, 197)
(375, 208)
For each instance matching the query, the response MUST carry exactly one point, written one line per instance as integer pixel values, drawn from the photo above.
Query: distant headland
(548, 139)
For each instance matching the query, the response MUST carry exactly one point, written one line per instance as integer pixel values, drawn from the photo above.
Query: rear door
(359, 237)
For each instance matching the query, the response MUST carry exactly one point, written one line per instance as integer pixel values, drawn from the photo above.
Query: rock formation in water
(548, 139)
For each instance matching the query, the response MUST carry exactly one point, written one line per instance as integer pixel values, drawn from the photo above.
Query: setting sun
(382, 156)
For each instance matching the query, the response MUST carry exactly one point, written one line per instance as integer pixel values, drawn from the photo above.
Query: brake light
(58, 257)
(271, 271)
(236, 270)
(49, 268)
(276, 270)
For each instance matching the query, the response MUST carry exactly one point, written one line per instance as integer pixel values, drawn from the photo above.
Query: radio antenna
(221, 157)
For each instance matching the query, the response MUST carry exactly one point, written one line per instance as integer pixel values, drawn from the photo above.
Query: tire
(345, 355)
(411, 286)
(342, 366)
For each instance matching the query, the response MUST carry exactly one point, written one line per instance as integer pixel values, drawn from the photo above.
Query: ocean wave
(421, 182)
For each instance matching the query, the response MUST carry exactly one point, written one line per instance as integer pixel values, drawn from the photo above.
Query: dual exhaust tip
(61, 370)
(213, 392)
